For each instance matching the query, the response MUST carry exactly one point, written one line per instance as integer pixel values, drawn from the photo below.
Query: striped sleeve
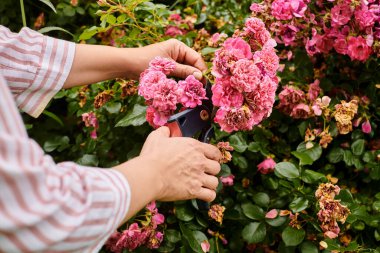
(34, 66)
(49, 207)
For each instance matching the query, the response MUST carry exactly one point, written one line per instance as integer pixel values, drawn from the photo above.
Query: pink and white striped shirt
(44, 206)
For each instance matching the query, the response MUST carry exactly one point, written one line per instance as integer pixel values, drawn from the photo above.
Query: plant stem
(23, 13)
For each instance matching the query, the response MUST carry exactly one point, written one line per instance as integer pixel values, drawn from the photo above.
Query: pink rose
(358, 49)
(228, 180)
(266, 166)
(223, 94)
(192, 92)
(340, 14)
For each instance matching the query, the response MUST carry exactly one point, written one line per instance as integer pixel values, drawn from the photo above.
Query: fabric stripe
(46, 206)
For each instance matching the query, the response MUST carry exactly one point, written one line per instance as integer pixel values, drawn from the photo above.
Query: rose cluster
(245, 77)
(350, 27)
(163, 94)
(136, 236)
(331, 210)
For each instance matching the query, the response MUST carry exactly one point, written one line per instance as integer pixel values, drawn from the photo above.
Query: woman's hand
(170, 169)
(185, 167)
(189, 62)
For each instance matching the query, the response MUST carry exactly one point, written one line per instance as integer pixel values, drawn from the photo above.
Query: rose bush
(306, 179)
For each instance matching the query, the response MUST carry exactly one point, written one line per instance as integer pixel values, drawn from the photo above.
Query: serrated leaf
(254, 232)
(314, 153)
(308, 247)
(136, 117)
(286, 170)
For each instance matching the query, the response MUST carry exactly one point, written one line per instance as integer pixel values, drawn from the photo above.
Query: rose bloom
(223, 94)
(287, 34)
(192, 92)
(234, 119)
(358, 49)
(300, 111)
(245, 75)
(233, 50)
(281, 10)
(266, 166)
(173, 31)
(364, 17)
(340, 14)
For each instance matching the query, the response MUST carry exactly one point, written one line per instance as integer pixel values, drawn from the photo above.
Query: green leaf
(277, 222)
(287, 170)
(56, 142)
(89, 160)
(54, 28)
(262, 199)
(308, 247)
(111, 19)
(376, 206)
(136, 117)
(48, 3)
(194, 238)
(335, 155)
(172, 235)
(254, 147)
(310, 176)
(348, 158)
(304, 158)
(88, 33)
(252, 211)
(184, 212)
(238, 142)
(357, 147)
(112, 107)
(254, 232)
(299, 204)
(314, 153)
(53, 116)
(292, 236)
(208, 50)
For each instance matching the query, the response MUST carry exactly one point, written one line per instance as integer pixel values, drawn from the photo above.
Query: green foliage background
(350, 158)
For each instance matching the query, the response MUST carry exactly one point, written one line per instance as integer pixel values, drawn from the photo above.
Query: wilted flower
(216, 213)
(344, 114)
(225, 149)
(102, 98)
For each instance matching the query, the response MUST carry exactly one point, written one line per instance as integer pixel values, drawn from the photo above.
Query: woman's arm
(94, 63)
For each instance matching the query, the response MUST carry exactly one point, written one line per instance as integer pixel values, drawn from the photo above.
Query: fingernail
(197, 75)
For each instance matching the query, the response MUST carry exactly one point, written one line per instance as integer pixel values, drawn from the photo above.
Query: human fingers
(210, 151)
(183, 71)
(185, 55)
(212, 167)
(210, 182)
(206, 194)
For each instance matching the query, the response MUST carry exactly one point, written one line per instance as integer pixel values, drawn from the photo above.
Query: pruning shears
(196, 123)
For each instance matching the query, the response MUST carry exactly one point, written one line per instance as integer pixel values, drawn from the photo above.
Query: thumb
(162, 132)
(183, 71)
